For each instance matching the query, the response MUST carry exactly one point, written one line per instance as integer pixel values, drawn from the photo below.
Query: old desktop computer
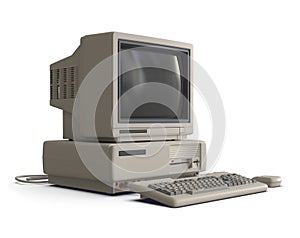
(127, 104)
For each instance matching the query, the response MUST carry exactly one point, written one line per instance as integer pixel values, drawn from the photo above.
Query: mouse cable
(32, 178)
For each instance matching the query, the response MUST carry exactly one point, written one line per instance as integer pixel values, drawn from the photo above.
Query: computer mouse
(271, 181)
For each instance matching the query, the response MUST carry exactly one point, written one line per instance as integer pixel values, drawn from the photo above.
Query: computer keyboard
(192, 190)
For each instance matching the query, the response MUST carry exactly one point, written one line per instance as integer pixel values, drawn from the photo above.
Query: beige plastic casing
(187, 199)
(67, 167)
(68, 74)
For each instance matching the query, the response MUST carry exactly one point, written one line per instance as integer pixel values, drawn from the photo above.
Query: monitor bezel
(155, 41)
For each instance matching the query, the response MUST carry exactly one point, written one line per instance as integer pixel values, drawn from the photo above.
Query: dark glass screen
(153, 83)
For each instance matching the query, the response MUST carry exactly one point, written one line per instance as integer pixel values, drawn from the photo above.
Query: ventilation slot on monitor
(51, 92)
(58, 92)
(57, 76)
(64, 83)
(51, 84)
(51, 77)
(73, 81)
(65, 91)
(65, 75)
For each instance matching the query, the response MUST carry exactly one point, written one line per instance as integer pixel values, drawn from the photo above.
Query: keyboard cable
(33, 179)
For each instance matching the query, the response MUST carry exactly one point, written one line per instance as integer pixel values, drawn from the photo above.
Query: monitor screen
(153, 83)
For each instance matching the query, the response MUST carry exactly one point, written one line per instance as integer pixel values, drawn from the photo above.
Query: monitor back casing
(67, 75)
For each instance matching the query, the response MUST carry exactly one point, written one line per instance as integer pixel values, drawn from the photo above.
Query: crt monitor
(144, 83)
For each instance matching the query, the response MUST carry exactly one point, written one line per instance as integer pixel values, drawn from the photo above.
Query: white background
(251, 49)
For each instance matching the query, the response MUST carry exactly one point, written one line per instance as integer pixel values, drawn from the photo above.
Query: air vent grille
(65, 75)
(184, 151)
(64, 83)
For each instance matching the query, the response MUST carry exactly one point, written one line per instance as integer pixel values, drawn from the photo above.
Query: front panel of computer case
(83, 165)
